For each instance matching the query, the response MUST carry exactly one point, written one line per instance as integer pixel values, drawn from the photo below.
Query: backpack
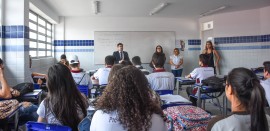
(24, 88)
(186, 118)
(214, 82)
(7, 107)
(215, 85)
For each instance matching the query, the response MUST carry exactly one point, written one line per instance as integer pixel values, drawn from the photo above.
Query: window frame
(38, 34)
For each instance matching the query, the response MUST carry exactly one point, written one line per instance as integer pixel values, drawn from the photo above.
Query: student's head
(114, 69)
(128, 94)
(63, 56)
(120, 46)
(109, 60)
(209, 45)
(176, 51)
(126, 62)
(136, 60)
(158, 60)
(74, 62)
(244, 90)
(266, 70)
(203, 60)
(64, 98)
(159, 49)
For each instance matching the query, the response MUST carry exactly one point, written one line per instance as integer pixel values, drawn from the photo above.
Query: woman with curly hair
(127, 104)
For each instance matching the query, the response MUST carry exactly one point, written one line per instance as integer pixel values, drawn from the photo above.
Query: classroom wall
(242, 38)
(82, 28)
(15, 43)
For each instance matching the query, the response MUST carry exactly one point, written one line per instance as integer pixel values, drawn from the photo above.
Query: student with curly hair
(127, 104)
(64, 104)
(247, 97)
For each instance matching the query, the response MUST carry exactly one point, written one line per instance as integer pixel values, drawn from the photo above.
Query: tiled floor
(211, 108)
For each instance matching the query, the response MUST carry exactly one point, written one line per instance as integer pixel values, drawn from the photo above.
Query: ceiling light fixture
(213, 11)
(158, 8)
(95, 6)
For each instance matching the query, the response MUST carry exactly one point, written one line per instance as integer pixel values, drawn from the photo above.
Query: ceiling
(142, 8)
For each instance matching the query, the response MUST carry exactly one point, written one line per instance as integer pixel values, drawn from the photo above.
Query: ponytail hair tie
(250, 82)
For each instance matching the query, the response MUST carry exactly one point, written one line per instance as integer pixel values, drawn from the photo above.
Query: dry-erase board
(136, 43)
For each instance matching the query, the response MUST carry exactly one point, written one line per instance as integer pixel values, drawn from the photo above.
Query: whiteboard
(136, 43)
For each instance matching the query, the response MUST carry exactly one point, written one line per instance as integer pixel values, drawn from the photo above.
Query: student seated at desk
(103, 73)
(41, 78)
(266, 82)
(136, 61)
(127, 104)
(247, 99)
(160, 79)
(64, 104)
(80, 77)
(28, 111)
(200, 73)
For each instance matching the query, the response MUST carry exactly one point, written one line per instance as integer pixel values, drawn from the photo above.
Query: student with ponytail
(247, 99)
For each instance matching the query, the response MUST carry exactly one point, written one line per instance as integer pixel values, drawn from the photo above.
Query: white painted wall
(265, 20)
(241, 23)
(43, 10)
(82, 28)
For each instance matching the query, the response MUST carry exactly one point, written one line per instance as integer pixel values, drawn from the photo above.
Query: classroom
(36, 33)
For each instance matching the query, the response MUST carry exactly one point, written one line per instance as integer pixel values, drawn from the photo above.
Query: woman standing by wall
(212, 55)
(176, 61)
(159, 50)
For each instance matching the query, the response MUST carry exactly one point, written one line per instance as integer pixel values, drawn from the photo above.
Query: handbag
(7, 107)
(24, 88)
(186, 118)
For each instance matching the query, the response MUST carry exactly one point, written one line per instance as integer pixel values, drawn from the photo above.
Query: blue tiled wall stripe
(242, 39)
(194, 42)
(14, 48)
(192, 49)
(243, 47)
(73, 42)
(74, 50)
(14, 31)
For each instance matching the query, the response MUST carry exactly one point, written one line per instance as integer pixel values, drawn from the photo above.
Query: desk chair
(84, 89)
(205, 93)
(164, 92)
(36, 126)
(97, 90)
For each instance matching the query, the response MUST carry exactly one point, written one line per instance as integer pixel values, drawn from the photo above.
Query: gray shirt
(49, 116)
(235, 122)
(266, 86)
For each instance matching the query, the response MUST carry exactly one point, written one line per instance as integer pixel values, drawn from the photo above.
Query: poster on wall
(180, 44)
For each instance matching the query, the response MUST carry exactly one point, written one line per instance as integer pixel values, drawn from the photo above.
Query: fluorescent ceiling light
(213, 11)
(95, 7)
(158, 8)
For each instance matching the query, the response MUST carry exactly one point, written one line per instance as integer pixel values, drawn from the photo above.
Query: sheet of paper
(174, 99)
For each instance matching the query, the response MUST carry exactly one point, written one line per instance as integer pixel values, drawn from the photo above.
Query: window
(40, 36)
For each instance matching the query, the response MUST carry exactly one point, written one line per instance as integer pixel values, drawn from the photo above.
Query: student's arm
(188, 76)
(42, 120)
(5, 91)
(180, 62)
(39, 74)
(171, 62)
(217, 57)
(204, 52)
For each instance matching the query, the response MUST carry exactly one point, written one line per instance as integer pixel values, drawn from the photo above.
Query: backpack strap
(81, 79)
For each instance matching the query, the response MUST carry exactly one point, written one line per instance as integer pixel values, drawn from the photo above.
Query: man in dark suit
(120, 55)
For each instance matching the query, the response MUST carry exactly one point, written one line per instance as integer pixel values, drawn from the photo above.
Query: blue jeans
(28, 114)
(177, 73)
